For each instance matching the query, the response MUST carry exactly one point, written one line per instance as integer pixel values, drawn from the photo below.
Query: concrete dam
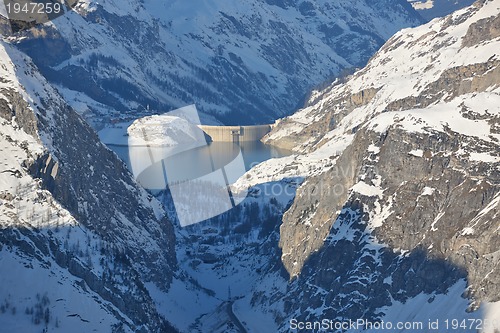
(235, 134)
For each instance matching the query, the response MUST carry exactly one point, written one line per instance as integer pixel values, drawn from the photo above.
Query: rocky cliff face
(249, 62)
(409, 206)
(73, 215)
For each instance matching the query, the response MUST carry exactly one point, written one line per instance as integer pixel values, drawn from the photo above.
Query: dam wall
(235, 133)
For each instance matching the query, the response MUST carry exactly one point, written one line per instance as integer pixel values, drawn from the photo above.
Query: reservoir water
(195, 162)
(196, 168)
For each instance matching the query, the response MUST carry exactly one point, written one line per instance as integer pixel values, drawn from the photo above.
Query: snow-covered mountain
(388, 210)
(250, 61)
(398, 216)
(80, 242)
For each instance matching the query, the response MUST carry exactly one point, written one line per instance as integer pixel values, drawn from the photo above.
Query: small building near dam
(235, 134)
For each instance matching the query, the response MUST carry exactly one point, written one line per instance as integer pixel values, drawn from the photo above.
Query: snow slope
(84, 262)
(408, 66)
(403, 154)
(36, 292)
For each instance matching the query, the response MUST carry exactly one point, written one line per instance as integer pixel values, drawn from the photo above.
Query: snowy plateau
(386, 211)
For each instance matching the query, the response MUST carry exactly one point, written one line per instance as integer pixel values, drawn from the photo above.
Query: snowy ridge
(61, 238)
(406, 66)
(419, 127)
(55, 298)
(226, 58)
